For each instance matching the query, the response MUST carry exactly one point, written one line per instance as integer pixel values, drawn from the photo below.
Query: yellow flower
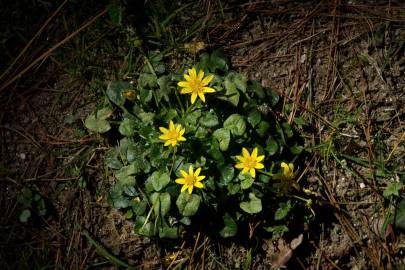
(248, 163)
(173, 135)
(196, 85)
(190, 180)
(288, 170)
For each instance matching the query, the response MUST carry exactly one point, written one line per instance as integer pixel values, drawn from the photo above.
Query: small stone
(23, 156)
(362, 185)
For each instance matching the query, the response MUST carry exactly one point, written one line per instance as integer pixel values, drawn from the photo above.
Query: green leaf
(97, 123)
(188, 203)
(263, 128)
(296, 149)
(166, 231)
(115, 13)
(271, 146)
(159, 180)
(282, 210)
(254, 118)
(287, 130)
(236, 124)
(125, 175)
(224, 137)
(114, 92)
(240, 81)
(253, 206)
(230, 229)
(274, 98)
(104, 113)
(111, 159)
(25, 215)
(400, 215)
(298, 120)
(116, 199)
(233, 188)
(215, 151)
(146, 229)
(146, 117)
(164, 88)
(145, 95)
(210, 119)
(147, 80)
(246, 180)
(277, 231)
(227, 172)
(257, 88)
(217, 60)
(161, 203)
(185, 220)
(139, 207)
(191, 120)
(201, 133)
(127, 127)
(392, 189)
(231, 94)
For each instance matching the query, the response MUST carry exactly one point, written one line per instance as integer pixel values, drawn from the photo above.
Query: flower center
(250, 163)
(190, 180)
(172, 135)
(196, 86)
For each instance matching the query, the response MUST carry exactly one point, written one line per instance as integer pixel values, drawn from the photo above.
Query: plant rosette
(200, 141)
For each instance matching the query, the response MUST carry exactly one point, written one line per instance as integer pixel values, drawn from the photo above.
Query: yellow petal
(163, 130)
(200, 178)
(183, 173)
(181, 139)
(239, 166)
(183, 84)
(245, 152)
(285, 167)
(186, 91)
(252, 172)
(182, 132)
(240, 158)
(259, 166)
(193, 97)
(163, 137)
(190, 189)
(178, 127)
(245, 170)
(190, 170)
(259, 158)
(201, 95)
(180, 181)
(183, 188)
(291, 166)
(171, 125)
(254, 153)
(187, 77)
(208, 79)
(199, 185)
(167, 143)
(174, 142)
(193, 73)
(197, 172)
(208, 90)
(200, 75)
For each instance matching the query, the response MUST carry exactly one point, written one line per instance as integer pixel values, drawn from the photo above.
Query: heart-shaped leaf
(253, 206)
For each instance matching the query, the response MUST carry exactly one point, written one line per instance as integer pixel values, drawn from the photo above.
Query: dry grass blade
(51, 50)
